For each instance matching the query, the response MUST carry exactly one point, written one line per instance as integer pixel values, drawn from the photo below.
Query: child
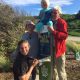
(44, 17)
(21, 68)
(41, 28)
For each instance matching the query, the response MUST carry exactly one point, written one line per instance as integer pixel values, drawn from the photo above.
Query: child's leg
(39, 26)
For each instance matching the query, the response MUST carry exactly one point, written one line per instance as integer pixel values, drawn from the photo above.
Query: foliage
(73, 24)
(73, 46)
(11, 28)
(75, 33)
(78, 15)
(4, 63)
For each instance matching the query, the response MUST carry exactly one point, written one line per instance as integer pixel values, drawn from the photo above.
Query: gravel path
(73, 38)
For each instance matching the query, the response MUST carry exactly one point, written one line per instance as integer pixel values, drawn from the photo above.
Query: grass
(74, 47)
(74, 33)
(4, 63)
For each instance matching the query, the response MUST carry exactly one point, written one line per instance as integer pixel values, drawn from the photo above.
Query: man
(60, 34)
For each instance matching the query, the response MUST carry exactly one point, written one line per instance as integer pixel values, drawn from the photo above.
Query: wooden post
(52, 55)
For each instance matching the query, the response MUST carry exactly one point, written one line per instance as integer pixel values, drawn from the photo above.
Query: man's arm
(63, 34)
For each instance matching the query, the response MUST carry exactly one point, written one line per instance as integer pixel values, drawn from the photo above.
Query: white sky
(26, 2)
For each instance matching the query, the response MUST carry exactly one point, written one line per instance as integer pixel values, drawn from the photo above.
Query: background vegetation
(11, 29)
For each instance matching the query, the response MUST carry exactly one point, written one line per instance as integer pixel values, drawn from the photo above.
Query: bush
(11, 28)
(73, 46)
(4, 63)
(74, 33)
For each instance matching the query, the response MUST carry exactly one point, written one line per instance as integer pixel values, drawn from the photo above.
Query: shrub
(4, 63)
(73, 46)
(74, 33)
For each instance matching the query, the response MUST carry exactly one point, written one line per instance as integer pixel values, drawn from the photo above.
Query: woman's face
(24, 48)
(55, 14)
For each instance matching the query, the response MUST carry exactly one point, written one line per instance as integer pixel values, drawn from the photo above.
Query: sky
(33, 7)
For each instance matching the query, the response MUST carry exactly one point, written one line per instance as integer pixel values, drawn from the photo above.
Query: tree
(10, 28)
(78, 15)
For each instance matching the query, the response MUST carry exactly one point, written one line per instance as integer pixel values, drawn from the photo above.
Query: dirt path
(72, 68)
(73, 38)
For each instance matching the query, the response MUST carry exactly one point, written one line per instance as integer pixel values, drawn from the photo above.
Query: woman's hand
(35, 62)
(28, 74)
(51, 29)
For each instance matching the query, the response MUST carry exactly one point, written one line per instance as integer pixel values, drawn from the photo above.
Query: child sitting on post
(41, 28)
(44, 17)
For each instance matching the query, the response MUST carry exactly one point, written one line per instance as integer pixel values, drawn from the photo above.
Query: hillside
(73, 23)
(11, 29)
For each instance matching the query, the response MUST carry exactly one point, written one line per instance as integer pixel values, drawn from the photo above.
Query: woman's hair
(58, 8)
(23, 41)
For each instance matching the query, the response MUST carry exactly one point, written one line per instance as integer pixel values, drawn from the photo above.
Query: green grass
(73, 46)
(4, 63)
(74, 33)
